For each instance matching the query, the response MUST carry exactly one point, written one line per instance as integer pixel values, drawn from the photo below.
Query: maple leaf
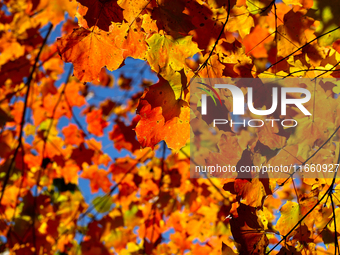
(10, 49)
(288, 39)
(259, 7)
(255, 42)
(234, 24)
(319, 10)
(82, 154)
(48, 87)
(96, 123)
(307, 133)
(168, 65)
(171, 19)
(166, 118)
(251, 192)
(292, 213)
(305, 3)
(207, 23)
(105, 79)
(132, 9)
(14, 71)
(151, 228)
(89, 51)
(98, 178)
(54, 10)
(215, 67)
(229, 153)
(124, 136)
(6, 140)
(135, 44)
(123, 166)
(73, 93)
(73, 135)
(247, 231)
(270, 135)
(70, 173)
(100, 13)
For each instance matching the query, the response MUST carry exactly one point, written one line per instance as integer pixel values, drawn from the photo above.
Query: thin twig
(329, 190)
(22, 123)
(300, 48)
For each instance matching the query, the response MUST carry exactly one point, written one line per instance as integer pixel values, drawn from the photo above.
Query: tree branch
(22, 123)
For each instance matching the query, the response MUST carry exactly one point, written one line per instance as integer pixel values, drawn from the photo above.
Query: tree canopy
(95, 125)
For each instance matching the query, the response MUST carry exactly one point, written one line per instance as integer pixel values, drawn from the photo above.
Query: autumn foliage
(95, 124)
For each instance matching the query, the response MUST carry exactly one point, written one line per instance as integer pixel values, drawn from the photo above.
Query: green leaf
(102, 204)
(327, 12)
(167, 55)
